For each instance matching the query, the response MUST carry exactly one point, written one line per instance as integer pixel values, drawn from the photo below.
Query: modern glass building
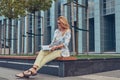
(102, 36)
(103, 21)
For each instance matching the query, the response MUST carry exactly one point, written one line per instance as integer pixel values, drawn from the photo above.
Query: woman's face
(59, 25)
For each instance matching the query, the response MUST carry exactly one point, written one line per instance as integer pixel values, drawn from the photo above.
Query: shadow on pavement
(3, 78)
(30, 78)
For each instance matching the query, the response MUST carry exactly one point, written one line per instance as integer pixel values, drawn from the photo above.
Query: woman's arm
(57, 47)
(67, 38)
(65, 41)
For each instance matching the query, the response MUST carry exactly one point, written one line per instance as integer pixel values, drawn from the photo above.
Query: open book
(45, 47)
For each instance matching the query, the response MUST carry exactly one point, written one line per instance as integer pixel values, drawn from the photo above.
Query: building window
(91, 8)
(48, 17)
(59, 9)
(108, 7)
(39, 20)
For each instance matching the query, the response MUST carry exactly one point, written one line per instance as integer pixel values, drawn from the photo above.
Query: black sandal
(31, 73)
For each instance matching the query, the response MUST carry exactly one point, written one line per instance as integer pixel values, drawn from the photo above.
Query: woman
(59, 47)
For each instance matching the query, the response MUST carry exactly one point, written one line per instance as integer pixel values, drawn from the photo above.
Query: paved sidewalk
(8, 74)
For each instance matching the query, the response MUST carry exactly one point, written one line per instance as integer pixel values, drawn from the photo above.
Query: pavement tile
(9, 74)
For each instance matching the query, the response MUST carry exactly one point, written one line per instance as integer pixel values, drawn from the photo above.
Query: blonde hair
(64, 21)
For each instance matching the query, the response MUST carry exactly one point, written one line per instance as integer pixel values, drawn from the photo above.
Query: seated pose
(59, 47)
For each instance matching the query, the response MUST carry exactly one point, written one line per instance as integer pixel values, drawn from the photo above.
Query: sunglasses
(59, 23)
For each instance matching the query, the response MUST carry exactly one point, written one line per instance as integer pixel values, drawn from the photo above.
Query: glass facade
(91, 8)
(108, 7)
(109, 25)
(109, 33)
(104, 21)
(47, 30)
(91, 26)
(91, 35)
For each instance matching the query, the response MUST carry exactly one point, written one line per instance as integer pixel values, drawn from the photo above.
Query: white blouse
(62, 39)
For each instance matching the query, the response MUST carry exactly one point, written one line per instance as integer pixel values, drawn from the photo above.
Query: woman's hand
(57, 47)
(54, 48)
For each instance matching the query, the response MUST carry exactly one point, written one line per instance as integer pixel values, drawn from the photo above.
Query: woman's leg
(37, 62)
(51, 56)
(40, 57)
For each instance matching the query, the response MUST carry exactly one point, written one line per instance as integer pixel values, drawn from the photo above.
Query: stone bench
(55, 67)
(34, 57)
(63, 66)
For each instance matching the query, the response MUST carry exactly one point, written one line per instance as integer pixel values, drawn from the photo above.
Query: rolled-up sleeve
(66, 39)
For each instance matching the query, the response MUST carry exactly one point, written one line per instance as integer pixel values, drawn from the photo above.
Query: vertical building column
(32, 35)
(42, 27)
(2, 35)
(36, 32)
(12, 37)
(80, 21)
(7, 34)
(22, 34)
(45, 28)
(18, 38)
(2, 31)
(64, 8)
(7, 31)
(97, 26)
(29, 38)
(26, 37)
(117, 25)
(52, 19)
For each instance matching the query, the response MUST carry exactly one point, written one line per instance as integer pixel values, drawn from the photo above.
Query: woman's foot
(30, 72)
(21, 75)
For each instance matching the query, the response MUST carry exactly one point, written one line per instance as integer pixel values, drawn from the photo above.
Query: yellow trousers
(46, 56)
